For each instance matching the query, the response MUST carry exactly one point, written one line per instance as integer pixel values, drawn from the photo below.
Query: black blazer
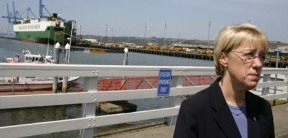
(207, 115)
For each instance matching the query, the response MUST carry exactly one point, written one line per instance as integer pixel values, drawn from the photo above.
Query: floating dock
(116, 107)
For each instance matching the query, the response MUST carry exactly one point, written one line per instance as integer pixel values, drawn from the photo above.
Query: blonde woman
(227, 109)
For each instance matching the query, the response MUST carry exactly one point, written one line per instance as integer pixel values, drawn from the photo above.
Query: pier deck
(280, 113)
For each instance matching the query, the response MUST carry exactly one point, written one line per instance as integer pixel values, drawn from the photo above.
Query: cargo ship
(45, 30)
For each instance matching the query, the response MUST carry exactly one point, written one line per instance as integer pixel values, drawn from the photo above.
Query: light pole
(112, 34)
(165, 33)
(81, 32)
(106, 33)
(209, 26)
(145, 32)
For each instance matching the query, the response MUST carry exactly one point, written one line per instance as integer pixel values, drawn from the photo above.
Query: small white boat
(16, 84)
(30, 58)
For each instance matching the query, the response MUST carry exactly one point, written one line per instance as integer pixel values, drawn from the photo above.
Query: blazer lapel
(251, 116)
(221, 111)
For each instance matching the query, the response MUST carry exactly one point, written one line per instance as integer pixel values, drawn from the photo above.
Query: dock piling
(66, 60)
(56, 57)
(125, 59)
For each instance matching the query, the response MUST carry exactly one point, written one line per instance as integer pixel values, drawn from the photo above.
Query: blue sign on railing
(164, 82)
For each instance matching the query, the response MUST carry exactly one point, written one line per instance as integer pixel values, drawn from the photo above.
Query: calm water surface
(9, 48)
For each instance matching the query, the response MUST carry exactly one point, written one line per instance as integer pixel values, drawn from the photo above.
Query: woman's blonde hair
(231, 37)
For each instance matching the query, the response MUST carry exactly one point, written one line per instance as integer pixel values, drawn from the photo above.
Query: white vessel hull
(29, 84)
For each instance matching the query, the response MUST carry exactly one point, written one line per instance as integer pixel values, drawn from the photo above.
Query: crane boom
(8, 14)
(14, 12)
(29, 11)
(41, 9)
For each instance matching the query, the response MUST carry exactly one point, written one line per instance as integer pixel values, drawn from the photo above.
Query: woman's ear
(223, 60)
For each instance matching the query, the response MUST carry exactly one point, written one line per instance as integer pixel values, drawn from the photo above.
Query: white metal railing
(90, 96)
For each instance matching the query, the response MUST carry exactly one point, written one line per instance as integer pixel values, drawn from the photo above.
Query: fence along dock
(90, 96)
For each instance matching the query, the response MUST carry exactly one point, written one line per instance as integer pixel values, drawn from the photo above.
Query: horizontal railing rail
(90, 96)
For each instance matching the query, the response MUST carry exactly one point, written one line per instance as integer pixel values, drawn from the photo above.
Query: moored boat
(16, 84)
(30, 58)
(20, 84)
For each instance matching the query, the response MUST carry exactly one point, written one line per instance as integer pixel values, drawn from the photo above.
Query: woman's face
(244, 65)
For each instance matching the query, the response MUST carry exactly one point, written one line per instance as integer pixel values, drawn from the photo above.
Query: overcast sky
(187, 19)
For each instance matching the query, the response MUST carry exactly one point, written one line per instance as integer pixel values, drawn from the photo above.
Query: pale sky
(187, 19)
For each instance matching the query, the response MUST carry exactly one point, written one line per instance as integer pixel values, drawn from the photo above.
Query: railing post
(266, 78)
(89, 109)
(176, 81)
(275, 79)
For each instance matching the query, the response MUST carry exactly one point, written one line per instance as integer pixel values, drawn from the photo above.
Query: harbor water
(8, 48)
